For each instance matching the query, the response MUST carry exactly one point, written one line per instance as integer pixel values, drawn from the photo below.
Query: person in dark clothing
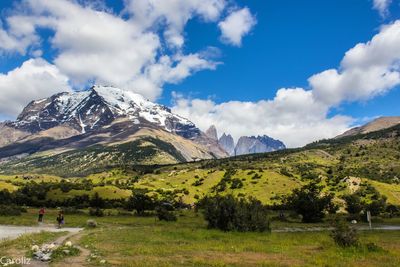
(41, 214)
(60, 219)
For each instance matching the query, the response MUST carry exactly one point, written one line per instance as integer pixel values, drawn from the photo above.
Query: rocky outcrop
(212, 133)
(259, 144)
(227, 143)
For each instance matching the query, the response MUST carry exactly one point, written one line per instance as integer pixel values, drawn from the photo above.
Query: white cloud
(298, 116)
(292, 116)
(35, 79)
(367, 70)
(382, 6)
(15, 42)
(238, 24)
(140, 49)
(173, 15)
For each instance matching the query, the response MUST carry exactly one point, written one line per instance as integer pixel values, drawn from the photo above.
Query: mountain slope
(100, 116)
(343, 165)
(373, 126)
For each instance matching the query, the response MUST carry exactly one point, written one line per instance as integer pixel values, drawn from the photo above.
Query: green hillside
(341, 164)
(82, 162)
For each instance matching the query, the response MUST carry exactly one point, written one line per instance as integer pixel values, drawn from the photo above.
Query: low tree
(165, 212)
(354, 205)
(310, 202)
(228, 213)
(140, 202)
(366, 198)
(96, 201)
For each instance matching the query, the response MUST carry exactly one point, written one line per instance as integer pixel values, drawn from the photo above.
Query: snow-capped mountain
(92, 109)
(103, 115)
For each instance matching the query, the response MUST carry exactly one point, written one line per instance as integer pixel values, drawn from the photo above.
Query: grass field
(144, 241)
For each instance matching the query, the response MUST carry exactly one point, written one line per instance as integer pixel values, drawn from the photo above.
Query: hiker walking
(60, 218)
(41, 214)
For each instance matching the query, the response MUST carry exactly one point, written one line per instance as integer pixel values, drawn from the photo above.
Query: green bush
(164, 214)
(344, 235)
(310, 202)
(367, 198)
(228, 213)
(353, 203)
(10, 210)
(72, 210)
(140, 202)
(96, 212)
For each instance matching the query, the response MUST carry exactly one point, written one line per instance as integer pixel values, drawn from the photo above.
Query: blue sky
(291, 41)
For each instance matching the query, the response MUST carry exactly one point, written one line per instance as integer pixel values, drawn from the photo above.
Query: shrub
(10, 211)
(372, 247)
(164, 214)
(236, 183)
(140, 202)
(353, 203)
(198, 182)
(72, 210)
(367, 198)
(96, 212)
(377, 206)
(309, 202)
(228, 213)
(344, 235)
(96, 201)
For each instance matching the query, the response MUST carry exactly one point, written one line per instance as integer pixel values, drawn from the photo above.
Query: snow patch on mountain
(97, 107)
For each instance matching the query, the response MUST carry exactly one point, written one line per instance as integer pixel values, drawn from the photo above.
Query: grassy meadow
(127, 240)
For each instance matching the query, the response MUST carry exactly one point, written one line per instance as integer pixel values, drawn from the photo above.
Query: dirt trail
(79, 260)
(58, 242)
(12, 231)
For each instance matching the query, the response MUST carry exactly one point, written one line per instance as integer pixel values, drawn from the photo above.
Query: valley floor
(137, 241)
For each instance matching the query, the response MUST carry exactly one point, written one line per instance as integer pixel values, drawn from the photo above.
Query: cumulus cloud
(37, 77)
(236, 26)
(140, 49)
(293, 116)
(297, 115)
(367, 70)
(173, 15)
(382, 6)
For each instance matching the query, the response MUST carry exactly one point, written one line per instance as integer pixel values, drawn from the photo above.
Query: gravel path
(12, 232)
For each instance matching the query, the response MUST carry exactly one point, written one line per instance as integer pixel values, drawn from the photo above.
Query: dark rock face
(227, 143)
(83, 111)
(259, 144)
(212, 133)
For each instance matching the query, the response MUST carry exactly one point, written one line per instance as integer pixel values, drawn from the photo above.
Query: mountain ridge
(100, 116)
(372, 126)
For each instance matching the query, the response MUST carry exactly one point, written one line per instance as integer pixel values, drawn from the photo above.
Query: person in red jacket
(41, 214)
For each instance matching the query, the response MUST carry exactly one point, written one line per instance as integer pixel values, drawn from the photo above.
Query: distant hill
(373, 126)
(343, 165)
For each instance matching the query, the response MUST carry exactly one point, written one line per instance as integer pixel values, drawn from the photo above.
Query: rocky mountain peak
(259, 144)
(212, 133)
(227, 143)
(92, 109)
